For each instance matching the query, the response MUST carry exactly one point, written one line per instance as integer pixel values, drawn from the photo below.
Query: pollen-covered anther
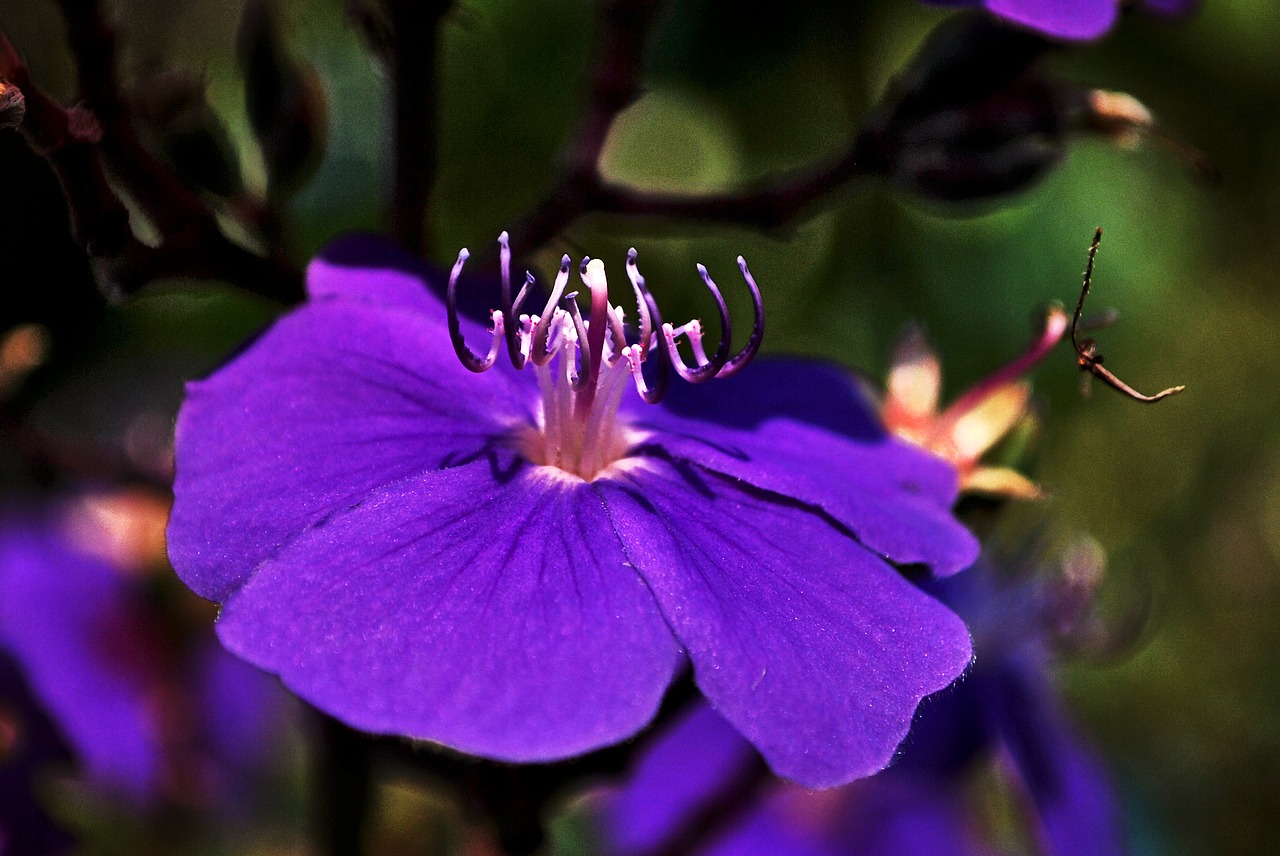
(583, 359)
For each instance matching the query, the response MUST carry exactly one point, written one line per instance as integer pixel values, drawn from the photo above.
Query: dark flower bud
(13, 106)
(973, 115)
(285, 102)
(172, 108)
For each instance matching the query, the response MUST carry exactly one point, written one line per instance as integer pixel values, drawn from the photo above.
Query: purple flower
(141, 718)
(29, 746)
(517, 564)
(1074, 20)
(68, 619)
(1002, 709)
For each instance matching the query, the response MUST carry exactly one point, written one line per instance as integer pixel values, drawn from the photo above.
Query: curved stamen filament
(739, 360)
(466, 356)
(583, 373)
(706, 369)
(514, 351)
(524, 292)
(642, 305)
(640, 351)
(538, 351)
(577, 429)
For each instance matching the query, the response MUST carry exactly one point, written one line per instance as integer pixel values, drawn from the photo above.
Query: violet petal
(486, 608)
(909, 816)
(25, 827)
(241, 708)
(56, 606)
(768, 830)
(1076, 811)
(817, 393)
(690, 764)
(893, 497)
(1170, 8)
(373, 269)
(811, 646)
(1076, 20)
(337, 399)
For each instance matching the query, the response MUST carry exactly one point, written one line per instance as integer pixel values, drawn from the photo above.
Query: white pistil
(579, 431)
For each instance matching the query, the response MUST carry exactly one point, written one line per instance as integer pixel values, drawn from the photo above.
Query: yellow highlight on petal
(915, 380)
(978, 430)
(1001, 481)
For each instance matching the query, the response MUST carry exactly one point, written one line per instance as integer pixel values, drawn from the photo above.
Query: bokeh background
(1184, 496)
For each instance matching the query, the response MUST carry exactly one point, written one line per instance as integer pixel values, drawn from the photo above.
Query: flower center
(583, 364)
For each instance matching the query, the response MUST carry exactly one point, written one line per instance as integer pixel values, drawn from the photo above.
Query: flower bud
(285, 101)
(973, 115)
(173, 110)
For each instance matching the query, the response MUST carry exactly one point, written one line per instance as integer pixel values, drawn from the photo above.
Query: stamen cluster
(582, 363)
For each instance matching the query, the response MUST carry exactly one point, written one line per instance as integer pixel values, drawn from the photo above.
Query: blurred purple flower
(70, 622)
(30, 746)
(1074, 20)
(1003, 708)
(518, 566)
(145, 721)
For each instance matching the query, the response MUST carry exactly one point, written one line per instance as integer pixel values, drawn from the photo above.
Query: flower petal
(487, 606)
(1170, 7)
(1076, 809)
(893, 497)
(689, 765)
(910, 815)
(817, 393)
(374, 269)
(57, 609)
(772, 829)
(337, 399)
(1078, 20)
(1001, 482)
(812, 647)
(25, 826)
(242, 710)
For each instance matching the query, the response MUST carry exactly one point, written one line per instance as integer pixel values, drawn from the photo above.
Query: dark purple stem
(416, 27)
(622, 34)
(170, 206)
(768, 204)
(344, 789)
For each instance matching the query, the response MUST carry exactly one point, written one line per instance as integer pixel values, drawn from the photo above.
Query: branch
(416, 27)
(623, 28)
(203, 255)
(169, 205)
(76, 142)
(343, 797)
(68, 140)
(768, 204)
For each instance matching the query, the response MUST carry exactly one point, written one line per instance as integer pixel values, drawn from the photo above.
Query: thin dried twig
(1087, 356)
